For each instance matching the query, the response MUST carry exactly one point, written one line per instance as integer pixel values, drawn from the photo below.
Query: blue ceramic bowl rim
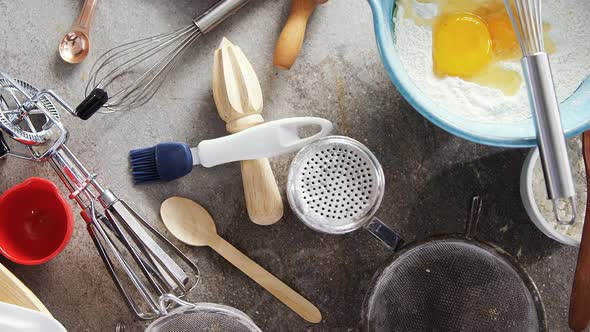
(575, 110)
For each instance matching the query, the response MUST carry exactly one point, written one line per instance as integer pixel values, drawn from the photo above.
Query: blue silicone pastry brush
(170, 161)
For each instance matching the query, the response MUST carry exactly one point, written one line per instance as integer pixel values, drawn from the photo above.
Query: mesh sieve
(453, 283)
(335, 185)
(204, 317)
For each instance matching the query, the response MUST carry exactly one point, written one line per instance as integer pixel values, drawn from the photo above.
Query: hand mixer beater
(120, 69)
(144, 265)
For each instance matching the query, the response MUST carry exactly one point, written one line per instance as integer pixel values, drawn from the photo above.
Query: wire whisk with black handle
(119, 79)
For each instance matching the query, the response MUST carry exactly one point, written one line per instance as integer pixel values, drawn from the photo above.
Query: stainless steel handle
(163, 262)
(217, 14)
(550, 137)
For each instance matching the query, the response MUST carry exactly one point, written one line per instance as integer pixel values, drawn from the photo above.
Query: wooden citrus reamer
(238, 98)
(291, 38)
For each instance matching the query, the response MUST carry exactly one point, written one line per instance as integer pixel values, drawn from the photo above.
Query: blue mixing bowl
(575, 111)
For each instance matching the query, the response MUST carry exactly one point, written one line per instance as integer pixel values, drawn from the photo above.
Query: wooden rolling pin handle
(263, 198)
(579, 314)
(291, 38)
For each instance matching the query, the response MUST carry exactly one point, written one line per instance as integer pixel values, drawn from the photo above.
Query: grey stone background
(430, 175)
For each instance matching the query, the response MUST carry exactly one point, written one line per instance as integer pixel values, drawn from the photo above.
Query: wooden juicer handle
(238, 98)
(291, 38)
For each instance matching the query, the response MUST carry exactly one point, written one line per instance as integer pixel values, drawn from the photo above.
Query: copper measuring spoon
(75, 45)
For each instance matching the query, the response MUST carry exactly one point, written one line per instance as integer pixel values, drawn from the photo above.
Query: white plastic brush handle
(266, 140)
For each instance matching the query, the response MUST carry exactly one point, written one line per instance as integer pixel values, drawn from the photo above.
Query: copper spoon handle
(83, 22)
(579, 314)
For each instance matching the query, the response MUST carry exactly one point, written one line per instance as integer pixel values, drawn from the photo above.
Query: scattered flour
(546, 206)
(570, 29)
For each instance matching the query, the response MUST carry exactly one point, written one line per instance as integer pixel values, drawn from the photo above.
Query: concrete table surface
(430, 174)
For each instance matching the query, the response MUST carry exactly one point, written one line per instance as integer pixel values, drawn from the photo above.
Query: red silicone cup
(36, 222)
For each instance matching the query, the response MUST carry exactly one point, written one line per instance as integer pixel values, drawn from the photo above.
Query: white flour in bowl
(570, 29)
(545, 206)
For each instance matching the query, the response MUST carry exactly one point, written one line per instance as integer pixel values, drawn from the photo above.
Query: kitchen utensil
(120, 327)
(534, 199)
(204, 317)
(453, 283)
(335, 186)
(143, 264)
(575, 118)
(192, 224)
(579, 315)
(75, 45)
(13, 291)
(238, 98)
(18, 319)
(169, 161)
(36, 223)
(539, 79)
(119, 69)
(293, 33)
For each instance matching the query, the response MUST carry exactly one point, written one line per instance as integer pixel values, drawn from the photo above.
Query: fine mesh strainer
(453, 283)
(203, 317)
(335, 186)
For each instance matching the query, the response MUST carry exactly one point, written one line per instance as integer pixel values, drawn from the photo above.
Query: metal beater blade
(143, 264)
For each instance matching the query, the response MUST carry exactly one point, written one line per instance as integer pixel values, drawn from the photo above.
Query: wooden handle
(272, 284)
(263, 199)
(13, 291)
(579, 314)
(291, 38)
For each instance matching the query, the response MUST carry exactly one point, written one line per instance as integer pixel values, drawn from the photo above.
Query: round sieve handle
(384, 234)
(474, 214)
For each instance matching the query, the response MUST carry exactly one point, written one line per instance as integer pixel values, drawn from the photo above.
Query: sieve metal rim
(457, 237)
(301, 156)
(209, 308)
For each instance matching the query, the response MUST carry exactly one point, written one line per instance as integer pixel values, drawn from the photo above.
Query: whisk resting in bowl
(527, 22)
(120, 70)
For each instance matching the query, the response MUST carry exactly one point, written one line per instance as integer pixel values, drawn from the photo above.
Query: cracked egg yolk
(462, 45)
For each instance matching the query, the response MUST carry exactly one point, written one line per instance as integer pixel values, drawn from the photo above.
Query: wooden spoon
(291, 38)
(190, 223)
(13, 291)
(579, 314)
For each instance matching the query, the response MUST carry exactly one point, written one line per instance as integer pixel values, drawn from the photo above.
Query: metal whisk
(120, 69)
(527, 22)
(144, 265)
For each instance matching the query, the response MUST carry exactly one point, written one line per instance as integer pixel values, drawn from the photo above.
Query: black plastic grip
(95, 100)
(4, 149)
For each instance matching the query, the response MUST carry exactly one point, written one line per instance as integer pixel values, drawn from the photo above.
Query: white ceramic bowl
(530, 205)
